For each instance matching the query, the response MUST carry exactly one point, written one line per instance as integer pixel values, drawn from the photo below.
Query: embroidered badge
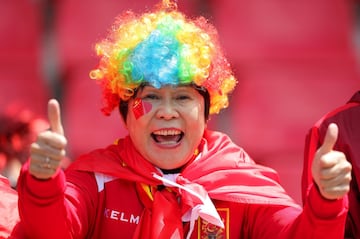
(209, 231)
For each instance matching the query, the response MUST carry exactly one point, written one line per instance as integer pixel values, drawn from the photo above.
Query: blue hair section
(156, 60)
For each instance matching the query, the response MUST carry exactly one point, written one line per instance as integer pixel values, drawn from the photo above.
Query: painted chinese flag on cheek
(141, 107)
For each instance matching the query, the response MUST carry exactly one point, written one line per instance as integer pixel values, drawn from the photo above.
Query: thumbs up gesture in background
(48, 150)
(330, 169)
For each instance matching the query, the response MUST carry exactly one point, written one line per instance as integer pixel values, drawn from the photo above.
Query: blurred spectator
(18, 129)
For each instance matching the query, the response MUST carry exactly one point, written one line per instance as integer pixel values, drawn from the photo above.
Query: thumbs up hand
(330, 169)
(48, 150)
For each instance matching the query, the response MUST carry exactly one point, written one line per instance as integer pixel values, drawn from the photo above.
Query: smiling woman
(168, 135)
(170, 177)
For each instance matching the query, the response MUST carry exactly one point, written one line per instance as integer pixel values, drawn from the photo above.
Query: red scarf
(223, 170)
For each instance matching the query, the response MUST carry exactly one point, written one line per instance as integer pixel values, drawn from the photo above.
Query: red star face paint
(141, 107)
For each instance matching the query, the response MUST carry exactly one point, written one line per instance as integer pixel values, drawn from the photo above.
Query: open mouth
(167, 136)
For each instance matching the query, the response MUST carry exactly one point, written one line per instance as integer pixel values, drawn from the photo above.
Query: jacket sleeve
(312, 143)
(320, 218)
(55, 208)
(323, 217)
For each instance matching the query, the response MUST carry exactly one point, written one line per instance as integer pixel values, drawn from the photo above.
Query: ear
(208, 119)
(123, 109)
(123, 121)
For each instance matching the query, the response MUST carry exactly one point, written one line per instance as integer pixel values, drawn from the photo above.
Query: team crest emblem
(207, 230)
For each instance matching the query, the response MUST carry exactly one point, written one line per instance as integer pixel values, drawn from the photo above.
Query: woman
(170, 177)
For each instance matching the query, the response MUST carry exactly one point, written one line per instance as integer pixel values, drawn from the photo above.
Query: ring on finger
(46, 163)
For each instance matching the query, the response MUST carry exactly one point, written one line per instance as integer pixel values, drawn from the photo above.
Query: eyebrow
(171, 86)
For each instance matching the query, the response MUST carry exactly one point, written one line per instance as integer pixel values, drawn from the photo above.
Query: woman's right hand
(47, 152)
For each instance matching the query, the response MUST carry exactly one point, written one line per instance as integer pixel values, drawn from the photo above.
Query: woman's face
(166, 125)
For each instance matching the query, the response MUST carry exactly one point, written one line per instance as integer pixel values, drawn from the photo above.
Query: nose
(167, 110)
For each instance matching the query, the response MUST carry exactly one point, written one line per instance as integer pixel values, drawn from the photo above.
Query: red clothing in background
(347, 117)
(9, 215)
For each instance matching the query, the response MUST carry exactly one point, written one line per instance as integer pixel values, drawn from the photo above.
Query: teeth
(166, 132)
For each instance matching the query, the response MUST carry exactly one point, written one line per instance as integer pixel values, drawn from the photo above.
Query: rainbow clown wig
(162, 47)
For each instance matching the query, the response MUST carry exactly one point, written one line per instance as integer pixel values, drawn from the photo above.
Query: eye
(183, 97)
(150, 96)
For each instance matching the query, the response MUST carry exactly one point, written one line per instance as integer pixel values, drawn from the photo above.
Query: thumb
(330, 138)
(55, 117)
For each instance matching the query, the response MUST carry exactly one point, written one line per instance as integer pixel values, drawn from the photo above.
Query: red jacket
(9, 215)
(347, 117)
(111, 193)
